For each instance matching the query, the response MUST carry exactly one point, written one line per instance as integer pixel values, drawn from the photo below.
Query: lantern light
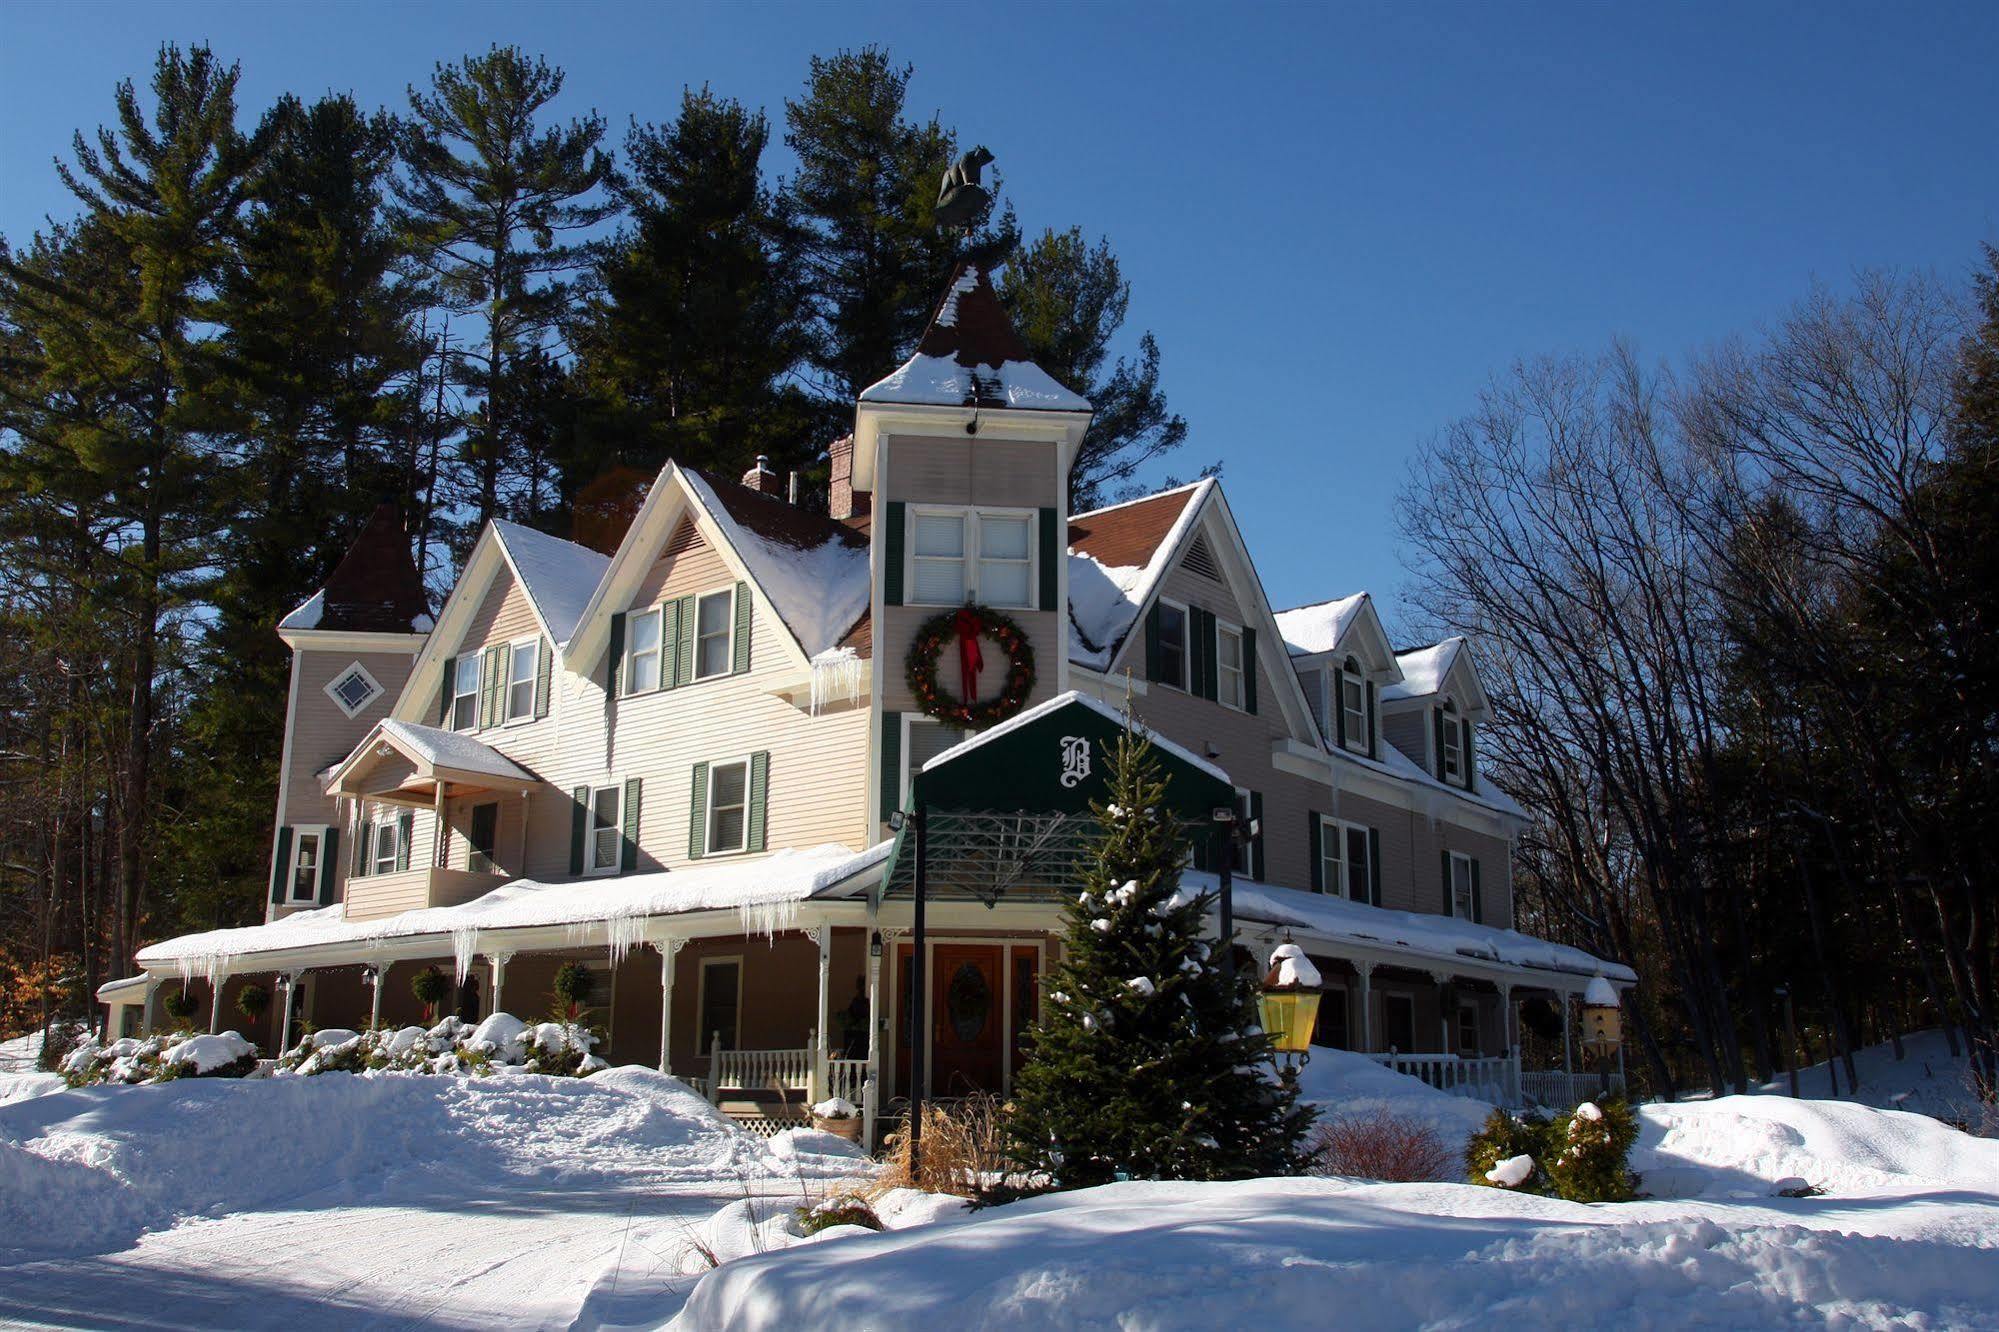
(1289, 1004)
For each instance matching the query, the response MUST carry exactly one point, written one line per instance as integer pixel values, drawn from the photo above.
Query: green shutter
(1339, 707)
(579, 827)
(1373, 723)
(892, 545)
(759, 798)
(890, 770)
(628, 852)
(1437, 734)
(1211, 648)
(405, 833)
(544, 664)
(690, 625)
(1374, 866)
(1051, 555)
(697, 813)
(492, 673)
(1477, 895)
(1197, 657)
(444, 691)
(281, 863)
(329, 858)
(1316, 840)
(614, 657)
(1450, 905)
(1249, 671)
(1464, 732)
(364, 845)
(1256, 846)
(1152, 642)
(669, 645)
(739, 646)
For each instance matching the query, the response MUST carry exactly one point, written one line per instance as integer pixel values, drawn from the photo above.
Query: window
(1468, 1042)
(1228, 657)
(485, 839)
(306, 852)
(386, 835)
(1360, 870)
(606, 837)
(922, 740)
(465, 693)
(642, 656)
(721, 1002)
(1452, 761)
(714, 624)
(523, 659)
(1398, 1022)
(1353, 705)
(728, 807)
(1344, 867)
(1461, 894)
(353, 689)
(1330, 1030)
(959, 555)
(1172, 645)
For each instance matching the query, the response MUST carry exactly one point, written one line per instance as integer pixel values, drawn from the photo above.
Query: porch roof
(765, 892)
(1426, 940)
(435, 755)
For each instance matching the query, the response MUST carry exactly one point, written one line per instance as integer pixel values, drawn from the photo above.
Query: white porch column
(1567, 1065)
(668, 950)
(1508, 1046)
(380, 971)
(146, 1010)
(439, 842)
(1365, 971)
(498, 962)
(877, 1024)
(216, 981)
(821, 1052)
(1447, 1041)
(287, 983)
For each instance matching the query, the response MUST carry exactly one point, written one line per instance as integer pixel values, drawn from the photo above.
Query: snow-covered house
(685, 764)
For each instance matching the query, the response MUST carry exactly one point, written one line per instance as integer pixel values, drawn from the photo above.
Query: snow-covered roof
(1117, 556)
(816, 580)
(1424, 669)
(125, 988)
(1437, 938)
(765, 891)
(440, 748)
(376, 588)
(559, 576)
(970, 356)
(1319, 628)
(307, 614)
(1040, 710)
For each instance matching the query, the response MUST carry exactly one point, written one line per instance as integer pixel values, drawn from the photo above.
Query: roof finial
(961, 199)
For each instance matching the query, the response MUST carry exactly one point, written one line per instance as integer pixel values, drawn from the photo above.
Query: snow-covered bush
(452, 1046)
(135, 1060)
(1493, 1155)
(562, 1049)
(1377, 1144)
(1588, 1151)
(842, 1209)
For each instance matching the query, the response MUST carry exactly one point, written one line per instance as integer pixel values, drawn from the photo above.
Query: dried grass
(1375, 1144)
(964, 1150)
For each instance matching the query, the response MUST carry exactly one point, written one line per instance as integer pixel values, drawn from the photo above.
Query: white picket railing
(1558, 1090)
(758, 1070)
(1494, 1078)
(846, 1079)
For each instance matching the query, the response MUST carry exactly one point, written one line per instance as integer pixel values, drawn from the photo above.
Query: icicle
(836, 678)
(186, 963)
(767, 918)
(218, 968)
(624, 933)
(464, 947)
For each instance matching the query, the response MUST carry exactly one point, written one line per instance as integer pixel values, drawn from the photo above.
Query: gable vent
(685, 538)
(1199, 559)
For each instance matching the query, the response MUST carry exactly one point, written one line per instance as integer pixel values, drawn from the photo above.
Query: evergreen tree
(1147, 1060)
(703, 316)
(495, 206)
(1068, 300)
(866, 192)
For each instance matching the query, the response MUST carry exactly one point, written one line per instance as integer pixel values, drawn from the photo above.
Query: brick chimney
(843, 502)
(762, 479)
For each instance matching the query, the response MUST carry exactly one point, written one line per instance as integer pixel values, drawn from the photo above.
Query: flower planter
(847, 1127)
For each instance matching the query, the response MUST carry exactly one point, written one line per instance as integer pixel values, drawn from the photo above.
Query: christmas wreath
(965, 627)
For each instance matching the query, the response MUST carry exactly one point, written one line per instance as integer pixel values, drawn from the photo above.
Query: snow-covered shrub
(452, 1046)
(1501, 1142)
(561, 1049)
(1588, 1151)
(57, 1042)
(152, 1059)
(842, 1209)
(1378, 1144)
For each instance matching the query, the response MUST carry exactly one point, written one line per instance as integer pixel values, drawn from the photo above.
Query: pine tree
(703, 313)
(1147, 1061)
(496, 206)
(1068, 301)
(866, 191)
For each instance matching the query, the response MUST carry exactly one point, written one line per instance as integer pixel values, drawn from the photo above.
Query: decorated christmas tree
(1148, 1062)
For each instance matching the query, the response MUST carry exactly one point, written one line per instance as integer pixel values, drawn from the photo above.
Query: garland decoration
(964, 627)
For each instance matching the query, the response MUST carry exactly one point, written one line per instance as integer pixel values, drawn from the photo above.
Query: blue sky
(1339, 220)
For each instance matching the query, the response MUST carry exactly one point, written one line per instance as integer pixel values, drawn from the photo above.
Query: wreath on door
(964, 628)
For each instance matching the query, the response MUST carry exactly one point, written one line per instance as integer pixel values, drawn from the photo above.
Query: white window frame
(1225, 630)
(393, 826)
(316, 831)
(728, 633)
(1357, 731)
(701, 1032)
(657, 653)
(708, 807)
(533, 645)
(1334, 862)
(1460, 858)
(972, 517)
(459, 695)
(910, 723)
(1186, 640)
(375, 690)
(616, 790)
(1451, 763)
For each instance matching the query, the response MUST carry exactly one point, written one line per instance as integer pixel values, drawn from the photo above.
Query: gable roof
(1117, 556)
(375, 588)
(1309, 630)
(558, 576)
(813, 570)
(970, 356)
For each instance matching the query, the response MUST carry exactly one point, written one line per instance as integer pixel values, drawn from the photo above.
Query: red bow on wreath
(970, 659)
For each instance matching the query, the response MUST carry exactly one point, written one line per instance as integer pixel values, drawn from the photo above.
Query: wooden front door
(967, 1020)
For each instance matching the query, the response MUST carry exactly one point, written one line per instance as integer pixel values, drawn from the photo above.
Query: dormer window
(523, 660)
(1451, 745)
(465, 693)
(1172, 662)
(714, 625)
(1353, 707)
(353, 689)
(642, 657)
(1228, 659)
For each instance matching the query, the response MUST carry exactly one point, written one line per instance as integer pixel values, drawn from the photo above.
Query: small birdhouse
(1603, 1029)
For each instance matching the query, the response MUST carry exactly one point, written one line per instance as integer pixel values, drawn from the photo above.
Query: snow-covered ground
(1928, 1079)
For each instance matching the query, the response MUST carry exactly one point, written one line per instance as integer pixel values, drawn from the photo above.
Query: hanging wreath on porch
(964, 627)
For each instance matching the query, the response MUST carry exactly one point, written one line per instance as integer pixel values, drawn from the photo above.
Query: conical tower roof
(374, 589)
(970, 356)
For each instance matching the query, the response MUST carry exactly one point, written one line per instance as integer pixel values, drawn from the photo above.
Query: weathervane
(961, 200)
